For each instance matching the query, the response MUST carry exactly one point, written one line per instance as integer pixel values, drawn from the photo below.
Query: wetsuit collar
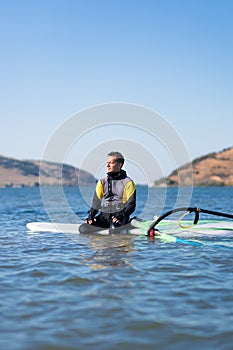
(117, 175)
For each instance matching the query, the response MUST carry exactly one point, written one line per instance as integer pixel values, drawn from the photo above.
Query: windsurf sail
(187, 210)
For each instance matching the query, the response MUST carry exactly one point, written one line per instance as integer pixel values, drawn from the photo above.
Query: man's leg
(100, 223)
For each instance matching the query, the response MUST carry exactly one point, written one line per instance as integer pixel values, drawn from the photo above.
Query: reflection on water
(110, 251)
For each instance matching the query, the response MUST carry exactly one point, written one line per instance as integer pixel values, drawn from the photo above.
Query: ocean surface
(65, 292)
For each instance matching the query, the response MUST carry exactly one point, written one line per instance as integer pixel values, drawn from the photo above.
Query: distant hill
(20, 173)
(214, 169)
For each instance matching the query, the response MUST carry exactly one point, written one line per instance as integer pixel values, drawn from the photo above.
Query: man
(118, 193)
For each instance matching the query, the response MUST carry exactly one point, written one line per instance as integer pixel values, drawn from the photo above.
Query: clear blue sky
(61, 56)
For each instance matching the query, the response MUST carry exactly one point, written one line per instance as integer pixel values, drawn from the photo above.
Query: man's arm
(96, 202)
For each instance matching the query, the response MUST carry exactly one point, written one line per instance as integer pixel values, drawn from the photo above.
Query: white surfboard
(205, 227)
(55, 227)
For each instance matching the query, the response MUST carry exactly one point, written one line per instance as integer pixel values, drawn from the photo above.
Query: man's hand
(90, 221)
(115, 220)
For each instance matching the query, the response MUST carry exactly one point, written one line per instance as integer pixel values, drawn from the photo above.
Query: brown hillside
(215, 169)
(18, 173)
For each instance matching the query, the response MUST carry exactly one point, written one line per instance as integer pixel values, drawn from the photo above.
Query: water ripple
(111, 293)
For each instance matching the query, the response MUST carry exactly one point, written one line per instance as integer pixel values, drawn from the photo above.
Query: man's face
(112, 165)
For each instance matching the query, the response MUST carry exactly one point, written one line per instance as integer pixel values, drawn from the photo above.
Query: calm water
(115, 292)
